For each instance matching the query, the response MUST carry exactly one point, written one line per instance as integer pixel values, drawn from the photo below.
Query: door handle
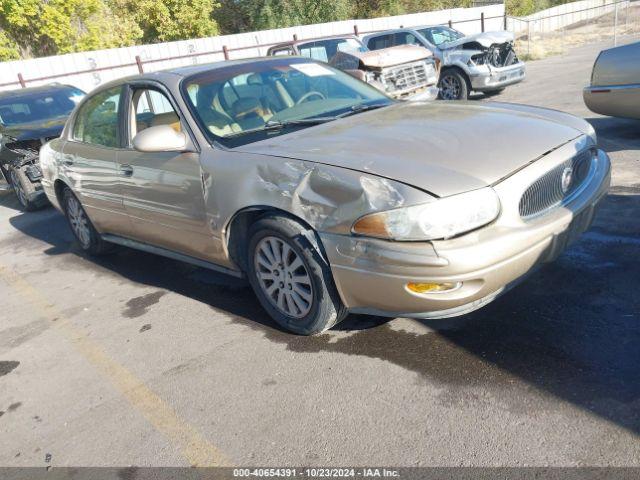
(67, 160)
(126, 170)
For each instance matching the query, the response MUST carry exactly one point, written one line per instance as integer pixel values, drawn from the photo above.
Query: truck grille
(406, 77)
(556, 186)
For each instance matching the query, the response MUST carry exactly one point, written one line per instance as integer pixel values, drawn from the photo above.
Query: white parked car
(484, 62)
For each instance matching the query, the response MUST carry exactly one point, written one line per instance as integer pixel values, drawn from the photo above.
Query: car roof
(309, 40)
(42, 88)
(403, 29)
(173, 75)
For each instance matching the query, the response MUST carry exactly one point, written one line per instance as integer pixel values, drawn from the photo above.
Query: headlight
(479, 59)
(369, 77)
(431, 71)
(440, 219)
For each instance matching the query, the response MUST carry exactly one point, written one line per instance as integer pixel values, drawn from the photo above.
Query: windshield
(237, 105)
(325, 50)
(38, 106)
(439, 35)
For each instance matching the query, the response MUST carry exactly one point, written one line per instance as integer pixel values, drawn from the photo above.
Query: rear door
(163, 191)
(89, 160)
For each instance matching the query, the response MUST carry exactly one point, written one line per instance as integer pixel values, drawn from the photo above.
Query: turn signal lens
(432, 287)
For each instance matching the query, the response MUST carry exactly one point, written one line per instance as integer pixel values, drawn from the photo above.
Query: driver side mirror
(161, 138)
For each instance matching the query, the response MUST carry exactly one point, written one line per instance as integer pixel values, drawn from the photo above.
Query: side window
(150, 108)
(97, 120)
(316, 51)
(406, 38)
(282, 51)
(383, 41)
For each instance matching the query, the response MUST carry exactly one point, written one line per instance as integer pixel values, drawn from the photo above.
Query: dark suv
(29, 117)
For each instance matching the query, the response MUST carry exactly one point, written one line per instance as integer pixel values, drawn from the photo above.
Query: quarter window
(97, 120)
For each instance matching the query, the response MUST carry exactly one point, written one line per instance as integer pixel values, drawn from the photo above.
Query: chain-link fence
(614, 22)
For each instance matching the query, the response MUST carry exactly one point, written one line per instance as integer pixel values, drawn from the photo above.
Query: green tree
(167, 20)
(62, 26)
(9, 50)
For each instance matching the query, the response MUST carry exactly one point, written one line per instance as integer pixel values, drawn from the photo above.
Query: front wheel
(453, 86)
(25, 190)
(290, 277)
(82, 228)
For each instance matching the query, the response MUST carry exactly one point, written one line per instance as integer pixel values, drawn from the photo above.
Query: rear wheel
(290, 277)
(453, 86)
(82, 228)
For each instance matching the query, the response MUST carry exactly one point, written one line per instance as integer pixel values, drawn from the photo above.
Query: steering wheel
(310, 94)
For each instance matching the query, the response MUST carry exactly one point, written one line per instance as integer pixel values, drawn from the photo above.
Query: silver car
(327, 195)
(484, 62)
(615, 82)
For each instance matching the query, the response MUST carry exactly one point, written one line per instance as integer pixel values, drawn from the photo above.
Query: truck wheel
(82, 228)
(290, 277)
(453, 86)
(25, 190)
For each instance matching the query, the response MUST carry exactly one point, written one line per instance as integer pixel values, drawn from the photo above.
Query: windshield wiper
(279, 125)
(359, 108)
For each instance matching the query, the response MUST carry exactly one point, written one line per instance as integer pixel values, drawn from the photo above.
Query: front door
(163, 191)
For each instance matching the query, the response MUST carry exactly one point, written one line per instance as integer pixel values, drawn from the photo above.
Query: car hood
(35, 130)
(486, 39)
(439, 147)
(388, 57)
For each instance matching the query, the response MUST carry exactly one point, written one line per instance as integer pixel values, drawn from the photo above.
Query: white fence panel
(87, 70)
(556, 18)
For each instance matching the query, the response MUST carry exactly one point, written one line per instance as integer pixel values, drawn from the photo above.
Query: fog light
(432, 287)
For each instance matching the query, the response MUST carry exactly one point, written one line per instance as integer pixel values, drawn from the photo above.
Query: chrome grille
(407, 77)
(549, 192)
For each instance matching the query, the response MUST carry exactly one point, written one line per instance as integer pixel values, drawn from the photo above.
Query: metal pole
(482, 21)
(139, 63)
(23, 84)
(615, 27)
(225, 52)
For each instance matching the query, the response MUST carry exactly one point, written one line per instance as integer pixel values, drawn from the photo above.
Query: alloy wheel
(79, 222)
(283, 277)
(18, 188)
(450, 88)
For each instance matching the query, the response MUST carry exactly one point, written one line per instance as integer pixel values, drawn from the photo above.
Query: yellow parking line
(195, 448)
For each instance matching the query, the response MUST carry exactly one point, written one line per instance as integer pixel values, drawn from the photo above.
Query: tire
(453, 85)
(279, 252)
(83, 230)
(29, 198)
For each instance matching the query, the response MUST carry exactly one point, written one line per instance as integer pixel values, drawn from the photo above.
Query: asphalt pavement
(134, 359)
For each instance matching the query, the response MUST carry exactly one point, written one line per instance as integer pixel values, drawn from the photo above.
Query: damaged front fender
(328, 198)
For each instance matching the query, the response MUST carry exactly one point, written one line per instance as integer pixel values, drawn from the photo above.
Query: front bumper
(371, 275)
(613, 100)
(486, 78)
(430, 93)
